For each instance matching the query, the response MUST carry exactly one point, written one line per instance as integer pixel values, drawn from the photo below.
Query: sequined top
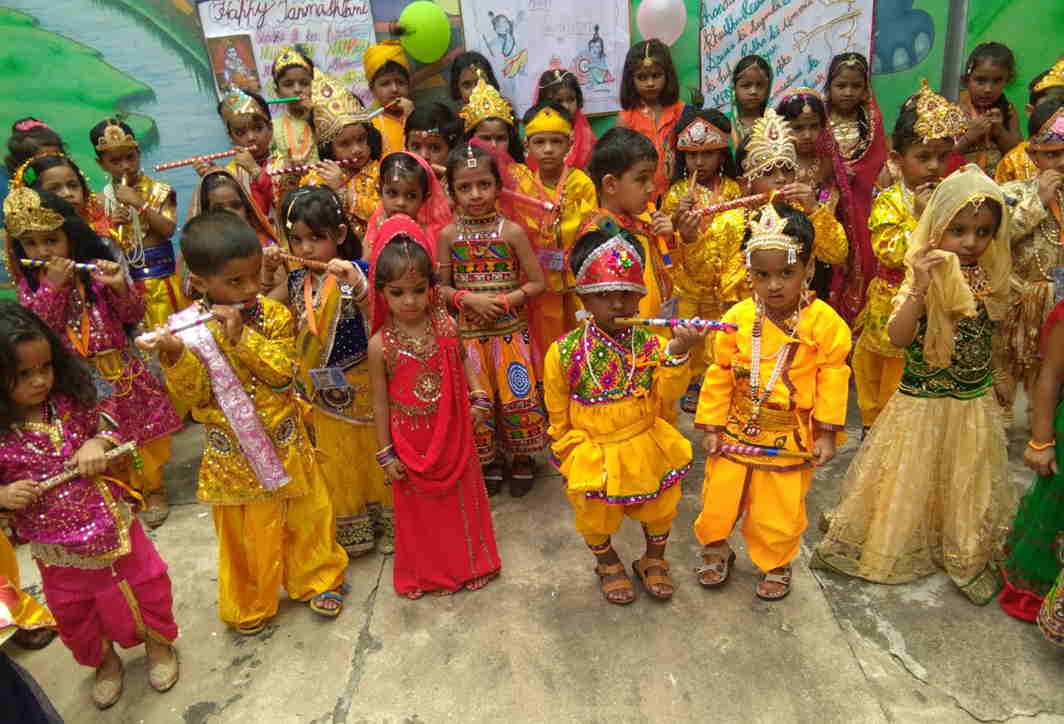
(345, 334)
(484, 263)
(1036, 243)
(161, 199)
(847, 135)
(697, 272)
(359, 194)
(83, 522)
(1016, 165)
(62, 309)
(262, 360)
(892, 222)
(971, 373)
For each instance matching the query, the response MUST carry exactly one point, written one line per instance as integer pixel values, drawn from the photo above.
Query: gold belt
(769, 419)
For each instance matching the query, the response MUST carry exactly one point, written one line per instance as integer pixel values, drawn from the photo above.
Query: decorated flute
(755, 200)
(289, 99)
(112, 454)
(528, 200)
(308, 263)
(149, 337)
(197, 159)
(671, 322)
(40, 263)
(765, 452)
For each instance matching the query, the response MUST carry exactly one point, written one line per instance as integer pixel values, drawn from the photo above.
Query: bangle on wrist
(1040, 446)
(386, 455)
(457, 298)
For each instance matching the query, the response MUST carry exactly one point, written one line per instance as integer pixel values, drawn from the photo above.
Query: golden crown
(936, 117)
(485, 102)
(701, 135)
(334, 107)
(766, 234)
(114, 138)
(770, 145)
(288, 57)
(1053, 79)
(236, 102)
(23, 212)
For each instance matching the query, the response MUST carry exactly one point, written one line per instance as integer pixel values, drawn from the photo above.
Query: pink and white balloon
(661, 19)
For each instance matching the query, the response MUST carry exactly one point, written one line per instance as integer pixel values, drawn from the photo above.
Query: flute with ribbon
(755, 200)
(765, 452)
(149, 337)
(40, 263)
(113, 454)
(198, 159)
(672, 322)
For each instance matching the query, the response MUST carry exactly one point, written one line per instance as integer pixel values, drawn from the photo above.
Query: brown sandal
(782, 576)
(651, 581)
(717, 564)
(620, 582)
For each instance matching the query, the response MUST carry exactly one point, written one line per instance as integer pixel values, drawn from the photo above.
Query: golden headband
(548, 120)
(558, 77)
(936, 117)
(485, 102)
(766, 234)
(701, 135)
(23, 212)
(1053, 79)
(289, 57)
(115, 138)
(237, 103)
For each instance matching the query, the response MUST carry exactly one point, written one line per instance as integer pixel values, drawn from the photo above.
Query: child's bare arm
(1045, 398)
(515, 236)
(378, 375)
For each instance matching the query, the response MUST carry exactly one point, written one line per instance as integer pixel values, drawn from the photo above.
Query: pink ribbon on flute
(198, 159)
(755, 200)
(765, 452)
(202, 318)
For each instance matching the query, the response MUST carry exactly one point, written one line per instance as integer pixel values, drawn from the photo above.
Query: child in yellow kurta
(609, 390)
(768, 160)
(293, 136)
(388, 75)
(272, 513)
(622, 168)
(36, 626)
(332, 376)
(923, 143)
(548, 137)
(1045, 87)
(350, 149)
(779, 383)
(704, 175)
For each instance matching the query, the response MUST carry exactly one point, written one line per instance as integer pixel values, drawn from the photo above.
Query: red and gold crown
(612, 267)
(334, 107)
(1050, 136)
(701, 135)
(115, 138)
(770, 145)
(936, 117)
(485, 102)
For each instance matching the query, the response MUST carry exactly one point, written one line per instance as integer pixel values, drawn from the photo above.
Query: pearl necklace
(757, 397)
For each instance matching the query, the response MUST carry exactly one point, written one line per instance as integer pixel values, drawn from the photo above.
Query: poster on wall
(243, 38)
(523, 38)
(797, 37)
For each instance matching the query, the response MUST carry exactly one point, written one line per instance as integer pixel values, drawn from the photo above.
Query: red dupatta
(434, 214)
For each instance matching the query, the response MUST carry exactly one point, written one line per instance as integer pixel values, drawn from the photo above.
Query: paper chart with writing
(797, 37)
(523, 38)
(244, 36)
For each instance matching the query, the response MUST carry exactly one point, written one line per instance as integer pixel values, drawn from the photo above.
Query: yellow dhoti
(597, 520)
(877, 377)
(27, 612)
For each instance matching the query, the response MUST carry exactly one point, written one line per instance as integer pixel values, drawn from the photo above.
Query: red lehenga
(444, 537)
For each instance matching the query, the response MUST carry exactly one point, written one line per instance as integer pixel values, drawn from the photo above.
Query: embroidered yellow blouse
(578, 199)
(813, 389)
(891, 223)
(160, 199)
(359, 195)
(392, 132)
(830, 246)
(1016, 166)
(697, 271)
(608, 419)
(262, 360)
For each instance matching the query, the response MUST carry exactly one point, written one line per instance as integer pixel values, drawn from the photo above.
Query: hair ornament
(334, 107)
(701, 135)
(24, 212)
(115, 138)
(29, 124)
(290, 57)
(936, 117)
(766, 234)
(1054, 78)
(1050, 136)
(236, 102)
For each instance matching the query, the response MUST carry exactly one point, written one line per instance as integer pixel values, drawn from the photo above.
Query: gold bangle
(1040, 446)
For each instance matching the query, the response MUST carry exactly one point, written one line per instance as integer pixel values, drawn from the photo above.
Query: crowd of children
(357, 280)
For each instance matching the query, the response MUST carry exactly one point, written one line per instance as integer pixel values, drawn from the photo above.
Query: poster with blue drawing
(523, 38)
(797, 37)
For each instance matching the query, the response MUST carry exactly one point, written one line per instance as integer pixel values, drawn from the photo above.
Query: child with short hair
(923, 141)
(561, 86)
(422, 382)
(610, 390)
(994, 125)
(1047, 86)
(293, 135)
(350, 148)
(917, 497)
(103, 578)
(466, 70)
(785, 334)
(548, 141)
(751, 86)
(489, 272)
(142, 211)
(92, 310)
(271, 509)
(431, 132)
(388, 75)
(650, 99)
(489, 117)
(705, 174)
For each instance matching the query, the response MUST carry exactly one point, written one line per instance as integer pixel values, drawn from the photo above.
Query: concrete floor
(540, 644)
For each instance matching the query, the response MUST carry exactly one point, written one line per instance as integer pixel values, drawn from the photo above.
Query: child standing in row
(58, 174)
(751, 87)
(785, 335)
(293, 135)
(271, 509)
(923, 143)
(466, 71)
(562, 87)
(610, 391)
(388, 75)
(484, 257)
(421, 380)
(994, 125)
(489, 117)
(91, 311)
(102, 576)
(916, 497)
(1047, 86)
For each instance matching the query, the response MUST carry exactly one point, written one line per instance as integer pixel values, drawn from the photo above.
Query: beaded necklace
(783, 357)
(1051, 236)
(977, 281)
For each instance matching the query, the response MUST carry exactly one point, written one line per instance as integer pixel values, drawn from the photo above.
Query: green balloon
(426, 31)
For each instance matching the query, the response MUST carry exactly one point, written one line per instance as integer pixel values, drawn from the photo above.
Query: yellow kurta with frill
(1016, 166)
(612, 441)
(810, 396)
(392, 130)
(266, 538)
(878, 364)
(553, 313)
(27, 613)
(341, 420)
(360, 193)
